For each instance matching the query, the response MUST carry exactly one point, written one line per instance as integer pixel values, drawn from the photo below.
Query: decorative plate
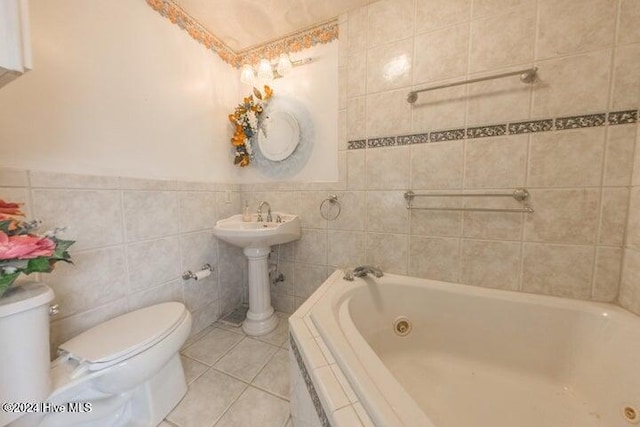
(279, 135)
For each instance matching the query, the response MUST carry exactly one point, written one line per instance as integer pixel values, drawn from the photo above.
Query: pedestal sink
(256, 238)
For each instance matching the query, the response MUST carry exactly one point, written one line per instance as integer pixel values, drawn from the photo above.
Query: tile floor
(235, 380)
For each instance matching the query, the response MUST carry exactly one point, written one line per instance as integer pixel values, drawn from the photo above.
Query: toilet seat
(124, 336)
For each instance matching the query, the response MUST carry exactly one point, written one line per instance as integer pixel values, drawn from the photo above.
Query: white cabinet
(15, 45)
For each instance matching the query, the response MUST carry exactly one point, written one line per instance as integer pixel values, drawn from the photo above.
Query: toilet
(123, 372)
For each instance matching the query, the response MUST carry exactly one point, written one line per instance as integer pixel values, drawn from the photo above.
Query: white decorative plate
(279, 136)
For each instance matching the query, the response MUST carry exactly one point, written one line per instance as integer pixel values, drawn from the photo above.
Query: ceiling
(242, 24)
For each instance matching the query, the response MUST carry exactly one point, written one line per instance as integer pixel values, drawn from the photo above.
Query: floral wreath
(245, 119)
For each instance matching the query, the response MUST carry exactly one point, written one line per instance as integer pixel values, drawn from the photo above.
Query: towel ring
(326, 210)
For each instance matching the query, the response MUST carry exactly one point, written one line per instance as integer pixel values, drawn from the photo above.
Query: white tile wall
(629, 296)
(133, 240)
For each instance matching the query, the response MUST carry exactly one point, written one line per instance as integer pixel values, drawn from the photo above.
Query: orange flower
(238, 139)
(268, 92)
(244, 162)
(11, 210)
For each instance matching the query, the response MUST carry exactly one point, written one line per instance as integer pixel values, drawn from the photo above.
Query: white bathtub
(474, 357)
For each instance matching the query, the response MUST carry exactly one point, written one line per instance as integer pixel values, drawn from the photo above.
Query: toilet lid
(131, 332)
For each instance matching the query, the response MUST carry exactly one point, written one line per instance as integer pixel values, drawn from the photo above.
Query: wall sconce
(267, 71)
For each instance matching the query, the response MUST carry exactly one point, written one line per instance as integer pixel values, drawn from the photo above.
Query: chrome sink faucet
(362, 271)
(260, 205)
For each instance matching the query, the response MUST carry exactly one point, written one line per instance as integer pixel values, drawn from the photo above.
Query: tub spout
(362, 271)
(367, 269)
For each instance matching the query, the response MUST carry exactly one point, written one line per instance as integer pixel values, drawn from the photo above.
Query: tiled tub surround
(630, 284)
(320, 394)
(587, 55)
(134, 238)
(570, 246)
(349, 367)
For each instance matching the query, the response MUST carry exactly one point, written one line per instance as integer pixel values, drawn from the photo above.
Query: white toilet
(128, 368)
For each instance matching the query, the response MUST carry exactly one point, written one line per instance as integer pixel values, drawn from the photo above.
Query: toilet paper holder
(199, 274)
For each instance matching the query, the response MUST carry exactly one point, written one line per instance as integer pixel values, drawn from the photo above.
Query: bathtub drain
(631, 414)
(402, 326)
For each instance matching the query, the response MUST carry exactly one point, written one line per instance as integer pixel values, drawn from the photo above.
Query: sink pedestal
(257, 238)
(261, 318)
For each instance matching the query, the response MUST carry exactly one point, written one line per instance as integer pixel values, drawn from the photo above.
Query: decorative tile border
(622, 117)
(381, 142)
(307, 380)
(529, 127)
(419, 138)
(516, 128)
(296, 42)
(356, 145)
(486, 131)
(447, 135)
(588, 121)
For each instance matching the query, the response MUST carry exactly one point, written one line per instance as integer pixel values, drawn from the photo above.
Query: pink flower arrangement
(25, 247)
(22, 251)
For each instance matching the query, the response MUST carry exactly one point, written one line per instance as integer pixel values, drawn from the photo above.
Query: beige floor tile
(246, 359)
(196, 337)
(279, 335)
(212, 346)
(286, 344)
(207, 399)
(192, 368)
(274, 377)
(256, 408)
(234, 329)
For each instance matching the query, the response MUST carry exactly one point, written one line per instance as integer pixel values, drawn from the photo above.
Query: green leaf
(63, 245)
(38, 265)
(6, 281)
(4, 227)
(61, 249)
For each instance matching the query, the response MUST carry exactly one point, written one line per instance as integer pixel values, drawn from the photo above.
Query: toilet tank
(24, 346)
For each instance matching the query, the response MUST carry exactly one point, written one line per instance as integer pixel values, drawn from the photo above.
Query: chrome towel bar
(520, 195)
(526, 76)
(528, 209)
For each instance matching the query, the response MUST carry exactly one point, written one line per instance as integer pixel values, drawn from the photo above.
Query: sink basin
(256, 234)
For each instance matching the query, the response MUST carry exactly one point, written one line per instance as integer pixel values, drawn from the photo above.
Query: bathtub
(402, 351)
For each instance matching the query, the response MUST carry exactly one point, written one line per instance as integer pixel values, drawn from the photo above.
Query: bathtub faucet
(361, 272)
(260, 205)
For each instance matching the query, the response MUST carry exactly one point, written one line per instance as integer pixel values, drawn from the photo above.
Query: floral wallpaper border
(296, 42)
(177, 16)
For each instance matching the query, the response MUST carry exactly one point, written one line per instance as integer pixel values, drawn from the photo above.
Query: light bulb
(247, 76)
(265, 72)
(284, 65)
